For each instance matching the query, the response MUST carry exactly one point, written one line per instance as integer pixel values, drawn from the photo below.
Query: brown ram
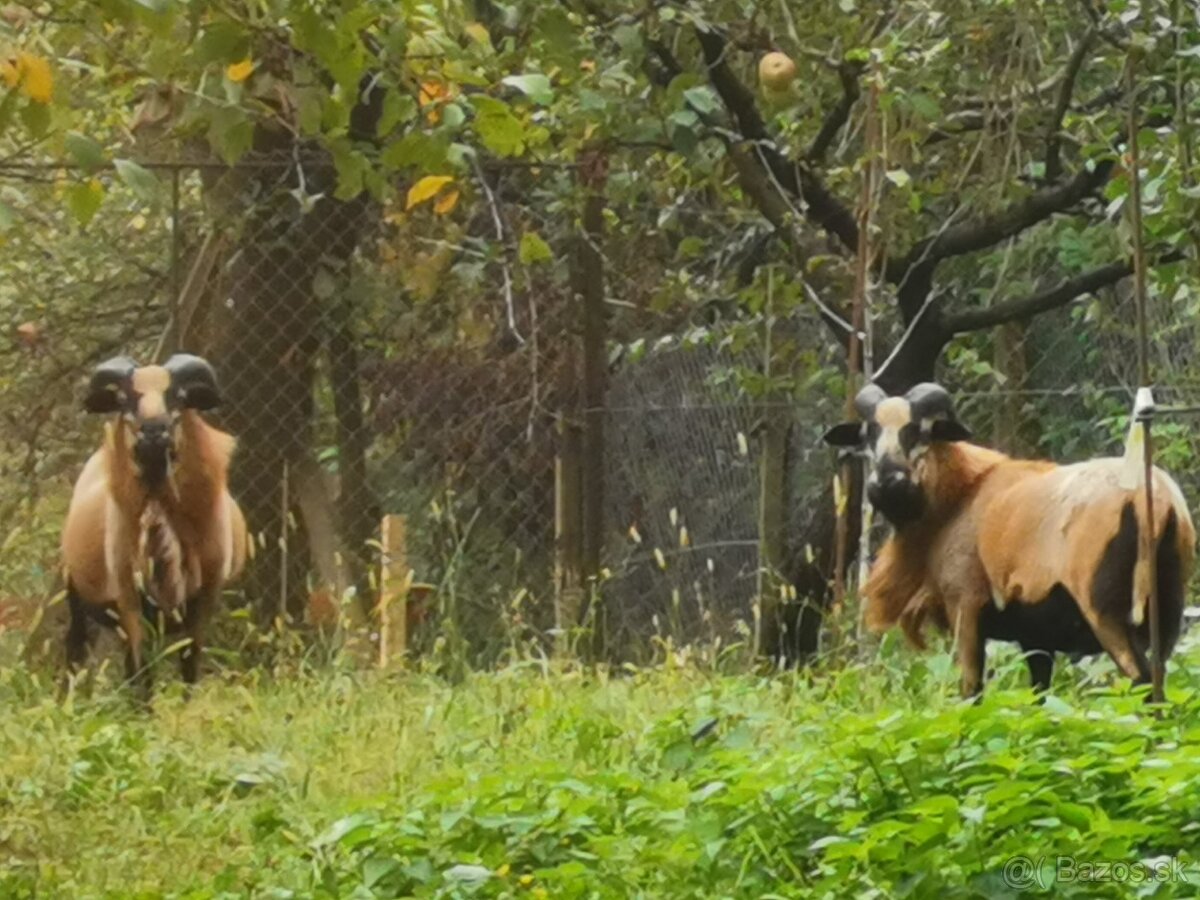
(151, 518)
(1026, 551)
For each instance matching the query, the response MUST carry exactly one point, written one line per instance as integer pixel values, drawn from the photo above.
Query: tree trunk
(266, 340)
(267, 335)
(589, 283)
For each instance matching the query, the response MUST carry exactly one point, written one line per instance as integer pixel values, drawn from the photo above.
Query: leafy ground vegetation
(538, 781)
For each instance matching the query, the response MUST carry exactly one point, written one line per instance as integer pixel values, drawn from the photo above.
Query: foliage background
(369, 215)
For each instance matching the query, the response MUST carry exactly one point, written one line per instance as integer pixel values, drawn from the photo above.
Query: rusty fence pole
(770, 637)
(568, 512)
(1144, 408)
(854, 369)
(592, 174)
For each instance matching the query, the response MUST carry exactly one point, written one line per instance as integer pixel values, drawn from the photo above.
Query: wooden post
(568, 552)
(394, 581)
(284, 502)
(855, 362)
(771, 511)
(568, 470)
(593, 174)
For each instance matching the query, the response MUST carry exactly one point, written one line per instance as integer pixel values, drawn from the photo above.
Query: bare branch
(838, 116)
(1013, 219)
(1060, 295)
(818, 202)
(1066, 89)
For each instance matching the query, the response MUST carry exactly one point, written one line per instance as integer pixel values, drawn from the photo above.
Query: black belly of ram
(1054, 625)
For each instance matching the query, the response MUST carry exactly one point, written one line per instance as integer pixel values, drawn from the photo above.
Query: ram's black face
(150, 401)
(895, 435)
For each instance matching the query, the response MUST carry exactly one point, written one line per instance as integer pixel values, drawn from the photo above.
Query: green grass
(871, 781)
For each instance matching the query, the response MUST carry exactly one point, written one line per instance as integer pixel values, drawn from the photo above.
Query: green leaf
(702, 99)
(36, 117)
(533, 249)
(418, 150)
(398, 107)
(309, 110)
(139, 180)
(378, 868)
(339, 829)
(899, 178)
(88, 154)
(453, 115)
(7, 218)
(350, 166)
(925, 106)
(534, 85)
(84, 199)
(681, 126)
(230, 133)
(221, 42)
(498, 129)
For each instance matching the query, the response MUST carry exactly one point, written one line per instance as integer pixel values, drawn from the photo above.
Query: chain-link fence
(360, 394)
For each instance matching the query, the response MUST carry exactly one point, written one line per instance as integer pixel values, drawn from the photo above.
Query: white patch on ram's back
(1079, 484)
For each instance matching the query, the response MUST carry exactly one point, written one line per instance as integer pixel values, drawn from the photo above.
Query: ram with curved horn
(1028, 551)
(151, 526)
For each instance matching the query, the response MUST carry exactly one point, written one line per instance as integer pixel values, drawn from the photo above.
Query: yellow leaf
(38, 82)
(478, 33)
(446, 203)
(239, 72)
(431, 92)
(426, 189)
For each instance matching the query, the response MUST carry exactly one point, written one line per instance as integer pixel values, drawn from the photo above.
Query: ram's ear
(848, 434)
(949, 430)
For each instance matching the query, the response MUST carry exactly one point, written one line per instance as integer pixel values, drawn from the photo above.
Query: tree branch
(1066, 89)
(817, 201)
(1035, 304)
(838, 116)
(1012, 220)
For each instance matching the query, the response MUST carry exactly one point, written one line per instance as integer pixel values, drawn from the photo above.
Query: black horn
(193, 381)
(867, 399)
(930, 401)
(108, 389)
(934, 410)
